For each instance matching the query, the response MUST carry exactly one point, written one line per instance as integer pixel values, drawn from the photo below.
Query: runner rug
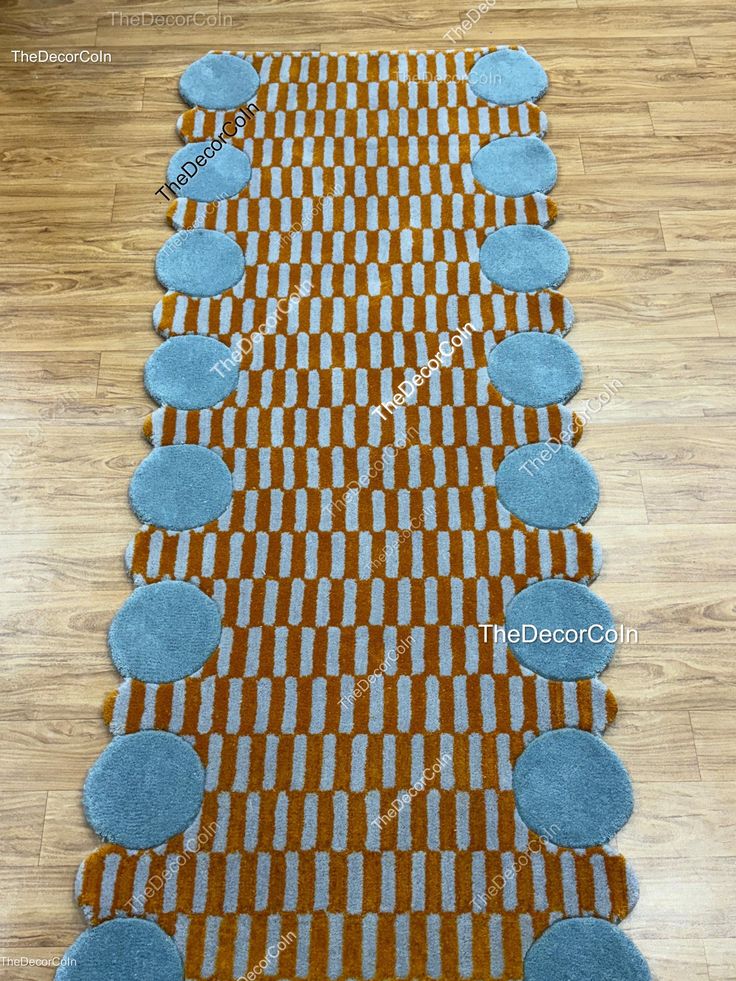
(359, 732)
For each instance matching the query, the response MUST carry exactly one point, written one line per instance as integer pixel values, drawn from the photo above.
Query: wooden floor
(642, 120)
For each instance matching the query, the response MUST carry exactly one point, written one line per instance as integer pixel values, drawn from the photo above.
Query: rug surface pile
(343, 746)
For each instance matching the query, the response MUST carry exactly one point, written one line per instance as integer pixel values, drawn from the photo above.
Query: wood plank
(715, 742)
(622, 188)
(67, 838)
(45, 562)
(82, 325)
(724, 307)
(83, 672)
(43, 454)
(69, 504)
(38, 911)
(660, 156)
(28, 202)
(638, 737)
(721, 958)
(103, 87)
(16, 965)
(713, 51)
(684, 899)
(705, 231)
(679, 820)
(685, 612)
(672, 960)
(688, 117)
(381, 24)
(21, 817)
(659, 678)
(654, 315)
(676, 378)
(685, 495)
(633, 230)
(656, 445)
(49, 755)
(668, 549)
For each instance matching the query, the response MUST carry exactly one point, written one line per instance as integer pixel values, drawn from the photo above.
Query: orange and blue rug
(359, 732)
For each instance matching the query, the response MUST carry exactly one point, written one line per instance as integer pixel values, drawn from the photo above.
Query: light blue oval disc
(524, 258)
(164, 631)
(515, 165)
(123, 949)
(219, 81)
(180, 487)
(535, 368)
(190, 372)
(584, 949)
(563, 628)
(144, 789)
(507, 77)
(210, 171)
(572, 788)
(547, 485)
(200, 262)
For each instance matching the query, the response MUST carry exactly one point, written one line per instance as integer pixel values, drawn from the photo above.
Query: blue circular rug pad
(320, 766)
(584, 949)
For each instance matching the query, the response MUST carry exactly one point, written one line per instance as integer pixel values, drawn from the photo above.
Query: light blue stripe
(465, 945)
(461, 703)
(309, 828)
(569, 884)
(252, 809)
(539, 879)
(334, 962)
(291, 881)
(491, 804)
(432, 716)
(242, 946)
(281, 818)
(340, 821)
(319, 700)
(510, 898)
(263, 874)
(434, 957)
(242, 764)
(288, 723)
(462, 817)
(418, 881)
(327, 775)
(433, 820)
(307, 652)
(370, 932)
(355, 883)
(401, 927)
(495, 931)
(321, 880)
(447, 860)
(372, 811)
(389, 760)
(475, 761)
(270, 763)
(303, 942)
(488, 702)
(375, 718)
(357, 770)
(388, 882)
(274, 935)
(417, 757)
(403, 695)
(299, 762)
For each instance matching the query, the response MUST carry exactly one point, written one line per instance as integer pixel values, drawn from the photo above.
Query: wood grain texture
(642, 120)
